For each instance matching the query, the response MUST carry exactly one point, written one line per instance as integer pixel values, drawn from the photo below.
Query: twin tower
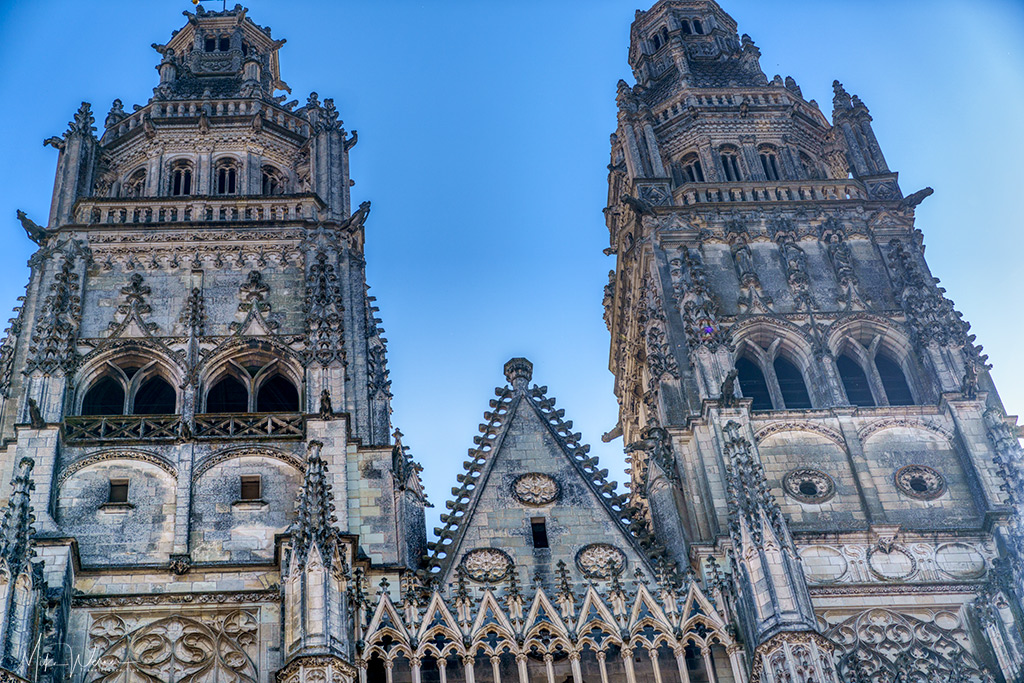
(203, 484)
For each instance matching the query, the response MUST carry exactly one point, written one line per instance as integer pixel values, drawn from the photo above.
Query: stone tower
(195, 352)
(834, 439)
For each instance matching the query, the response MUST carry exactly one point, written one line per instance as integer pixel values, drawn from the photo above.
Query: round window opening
(808, 485)
(920, 482)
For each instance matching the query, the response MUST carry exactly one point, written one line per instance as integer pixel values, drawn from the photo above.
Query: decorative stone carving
(960, 561)
(882, 645)
(920, 482)
(179, 648)
(696, 301)
(253, 293)
(824, 564)
(600, 560)
(891, 563)
(324, 333)
(486, 565)
(809, 485)
(535, 488)
(53, 343)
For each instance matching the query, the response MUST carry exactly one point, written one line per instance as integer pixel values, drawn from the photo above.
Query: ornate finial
(16, 529)
(519, 372)
(315, 523)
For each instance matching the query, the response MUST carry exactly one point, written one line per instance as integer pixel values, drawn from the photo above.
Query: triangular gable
(594, 610)
(386, 616)
(542, 613)
(697, 606)
(436, 616)
(489, 614)
(646, 607)
(541, 443)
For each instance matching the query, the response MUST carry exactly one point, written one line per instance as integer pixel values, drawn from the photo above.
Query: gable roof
(534, 414)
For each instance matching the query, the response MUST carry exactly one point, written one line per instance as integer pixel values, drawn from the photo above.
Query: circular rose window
(920, 481)
(600, 560)
(809, 486)
(535, 488)
(486, 565)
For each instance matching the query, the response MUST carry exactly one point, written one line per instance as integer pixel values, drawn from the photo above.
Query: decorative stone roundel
(486, 565)
(920, 481)
(598, 560)
(535, 488)
(808, 485)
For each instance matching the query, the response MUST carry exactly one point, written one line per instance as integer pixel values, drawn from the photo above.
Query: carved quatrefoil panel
(809, 485)
(535, 488)
(486, 565)
(920, 482)
(600, 560)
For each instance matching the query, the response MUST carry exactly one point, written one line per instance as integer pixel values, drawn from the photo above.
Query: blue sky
(483, 133)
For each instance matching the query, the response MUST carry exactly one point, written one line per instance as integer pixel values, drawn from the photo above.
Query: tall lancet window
(181, 179)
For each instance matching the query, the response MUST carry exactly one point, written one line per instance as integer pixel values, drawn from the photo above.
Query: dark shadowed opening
(753, 385)
(894, 382)
(227, 396)
(106, 397)
(277, 395)
(858, 391)
(155, 397)
(791, 382)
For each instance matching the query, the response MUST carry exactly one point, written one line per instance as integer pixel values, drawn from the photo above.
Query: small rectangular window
(251, 488)
(118, 491)
(540, 532)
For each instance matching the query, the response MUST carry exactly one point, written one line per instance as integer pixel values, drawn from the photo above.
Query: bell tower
(834, 430)
(197, 380)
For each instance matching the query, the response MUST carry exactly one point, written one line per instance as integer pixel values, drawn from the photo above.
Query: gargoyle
(55, 142)
(36, 233)
(356, 220)
(35, 417)
(639, 206)
(351, 142)
(913, 200)
(728, 391)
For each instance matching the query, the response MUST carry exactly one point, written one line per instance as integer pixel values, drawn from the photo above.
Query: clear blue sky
(483, 144)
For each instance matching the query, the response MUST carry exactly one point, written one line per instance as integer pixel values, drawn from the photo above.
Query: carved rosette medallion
(535, 488)
(920, 482)
(891, 564)
(809, 485)
(600, 560)
(486, 565)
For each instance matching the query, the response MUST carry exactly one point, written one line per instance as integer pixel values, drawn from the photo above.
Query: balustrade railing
(235, 208)
(90, 428)
(781, 191)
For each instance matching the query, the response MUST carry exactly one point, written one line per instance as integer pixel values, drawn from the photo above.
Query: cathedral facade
(202, 482)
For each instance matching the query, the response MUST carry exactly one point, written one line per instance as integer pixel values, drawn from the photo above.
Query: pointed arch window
(809, 167)
(135, 185)
(687, 29)
(133, 385)
(252, 385)
(277, 395)
(894, 382)
(155, 396)
(226, 175)
(105, 397)
(181, 179)
(731, 164)
(753, 384)
(855, 382)
(791, 384)
(273, 181)
(770, 163)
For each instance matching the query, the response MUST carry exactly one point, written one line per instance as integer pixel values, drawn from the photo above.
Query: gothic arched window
(791, 384)
(810, 168)
(226, 174)
(698, 27)
(753, 384)
(155, 396)
(731, 164)
(894, 382)
(692, 169)
(181, 179)
(277, 395)
(227, 396)
(687, 30)
(273, 181)
(105, 397)
(855, 382)
(770, 163)
(135, 185)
